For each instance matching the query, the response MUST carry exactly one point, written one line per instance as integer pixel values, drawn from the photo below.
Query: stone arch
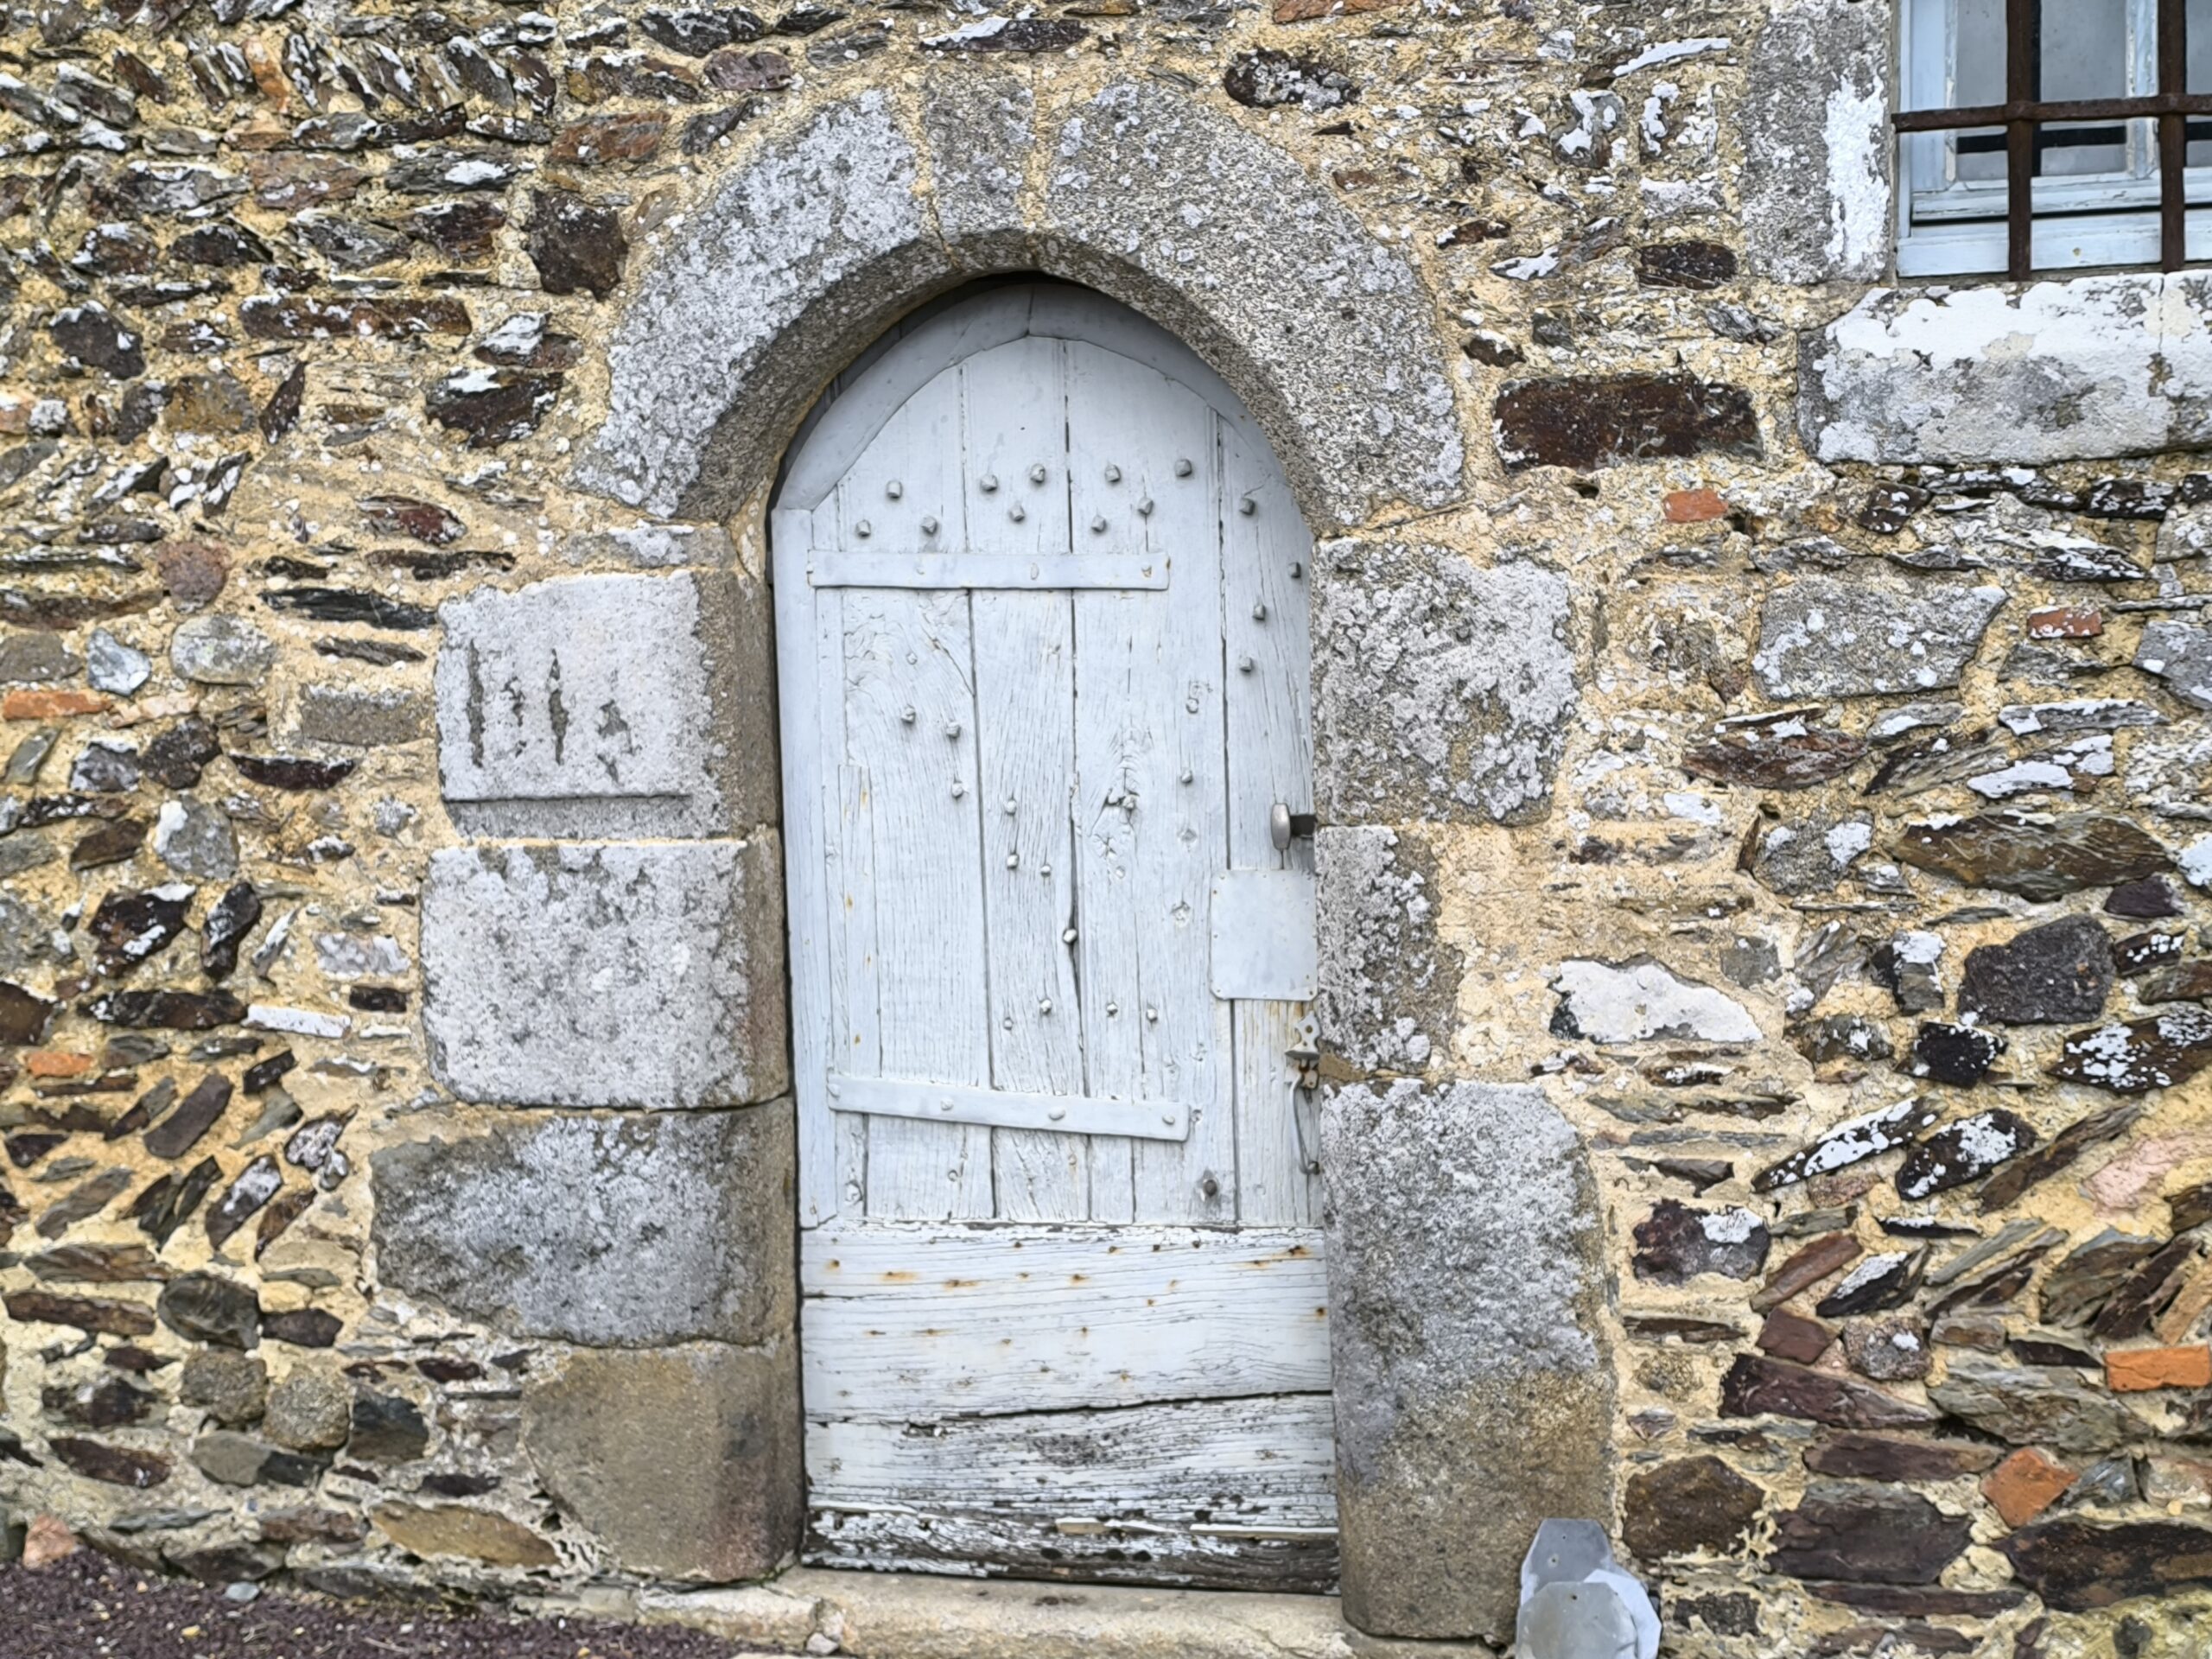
(829, 232)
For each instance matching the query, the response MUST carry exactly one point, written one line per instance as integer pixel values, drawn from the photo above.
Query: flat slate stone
(2079, 1566)
(2035, 1407)
(1963, 1151)
(1838, 636)
(2061, 970)
(2141, 1055)
(611, 1230)
(1756, 1385)
(1864, 1534)
(2043, 858)
(1676, 1242)
(607, 974)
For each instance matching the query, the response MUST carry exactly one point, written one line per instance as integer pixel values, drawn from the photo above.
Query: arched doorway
(1043, 667)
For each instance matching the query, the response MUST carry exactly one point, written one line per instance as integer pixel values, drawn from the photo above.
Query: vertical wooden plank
(808, 832)
(1129, 428)
(1015, 410)
(857, 1045)
(910, 728)
(1266, 562)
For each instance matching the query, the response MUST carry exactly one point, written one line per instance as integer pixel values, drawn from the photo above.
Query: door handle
(1285, 826)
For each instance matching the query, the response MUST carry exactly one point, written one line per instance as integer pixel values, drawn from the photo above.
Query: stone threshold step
(910, 1615)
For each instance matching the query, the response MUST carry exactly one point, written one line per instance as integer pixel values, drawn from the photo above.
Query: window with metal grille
(2048, 135)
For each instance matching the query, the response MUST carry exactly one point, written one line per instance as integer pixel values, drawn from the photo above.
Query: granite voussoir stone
(607, 974)
(1815, 183)
(1387, 981)
(626, 1231)
(1839, 637)
(1443, 691)
(1465, 1278)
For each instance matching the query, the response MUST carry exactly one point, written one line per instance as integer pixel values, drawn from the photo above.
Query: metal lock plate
(1264, 947)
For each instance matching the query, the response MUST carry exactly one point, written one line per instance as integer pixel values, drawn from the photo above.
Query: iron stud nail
(907, 714)
(952, 728)
(1015, 512)
(862, 528)
(894, 489)
(1247, 506)
(1297, 570)
(1098, 526)
(1037, 474)
(1260, 612)
(1045, 1005)
(1009, 805)
(1244, 664)
(1152, 1014)
(1013, 861)
(929, 526)
(1182, 468)
(958, 789)
(1112, 1009)
(1144, 508)
(1056, 1113)
(1067, 936)
(1186, 774)
(1113, 474)
(988, 483)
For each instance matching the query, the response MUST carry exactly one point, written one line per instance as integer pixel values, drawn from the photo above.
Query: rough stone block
(1841, 637)
(1443, 691)
(1388, 983)
(609, 705)
(1466, 1286)
(1815, 123)
(2088, 368)
(607, 974)
(683, 1463)
(609, 1231)
(358, 717)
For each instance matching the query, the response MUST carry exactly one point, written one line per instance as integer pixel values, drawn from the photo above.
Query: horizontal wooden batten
(941, 1102)
(1224, 1493)
(988, 570)
(931, 1321)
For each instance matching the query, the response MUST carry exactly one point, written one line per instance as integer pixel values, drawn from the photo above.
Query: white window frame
(1950, 227)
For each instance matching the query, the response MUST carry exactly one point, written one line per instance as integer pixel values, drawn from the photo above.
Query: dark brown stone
(1699, 265)
(92, 335)
(282, 412)
(113, 1403)
(2006, 1187)
(748, 72)
(697, 31)
(256, 1185)
(2186, 981)
(2151, 900)
(24, 1015)
(2138, 953)
(230, 919)
(176, 758)
(2132, 1059)
(2038, 858)
(109, 1319)
(1963, 1151)
(1862, 1137)
(2061, 970)
(1794, 1338)
(492, 407)
(1867, 1535)
(387, 1428)
(302, 1327)
(2189, 1208)
(1794, 757)
(1657, 1327)
(1693, 1504)
(2077, 1567)
(601, 138)
(2079, 1284)
(178, 1132)
(193, 571)
(112, 844)
(1828, 1253)
(116, 1467)
(1587, 421)
(295, 316)
(170, 1202)
(1955, 1054)
(130, 927)
(576, 247)
(204, 1307)
(466, 232)
(165, 1010)
(1757, 1386)
(1919, 1601)
(1879, 1282)
(350, 605)
(421, 521)
(2127, 1313)
(1018, 35)
(1881, 1456)
(84, 1202)
(1676, 1242)
(96, 1264)
(296, 773)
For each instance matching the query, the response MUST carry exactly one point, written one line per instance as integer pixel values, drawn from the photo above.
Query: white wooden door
(1041, 613)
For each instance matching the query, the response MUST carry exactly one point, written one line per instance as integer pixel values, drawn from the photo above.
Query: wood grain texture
(931, 1322)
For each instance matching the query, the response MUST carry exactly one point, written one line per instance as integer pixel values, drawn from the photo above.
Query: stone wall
(1762, 754)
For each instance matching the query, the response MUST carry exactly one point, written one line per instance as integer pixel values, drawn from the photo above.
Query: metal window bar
(2023, 112)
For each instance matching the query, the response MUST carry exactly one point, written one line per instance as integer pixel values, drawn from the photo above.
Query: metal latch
(1285, 826)
(1305, 1059)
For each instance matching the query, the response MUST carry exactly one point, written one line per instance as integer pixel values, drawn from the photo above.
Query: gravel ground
(87, 1607)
